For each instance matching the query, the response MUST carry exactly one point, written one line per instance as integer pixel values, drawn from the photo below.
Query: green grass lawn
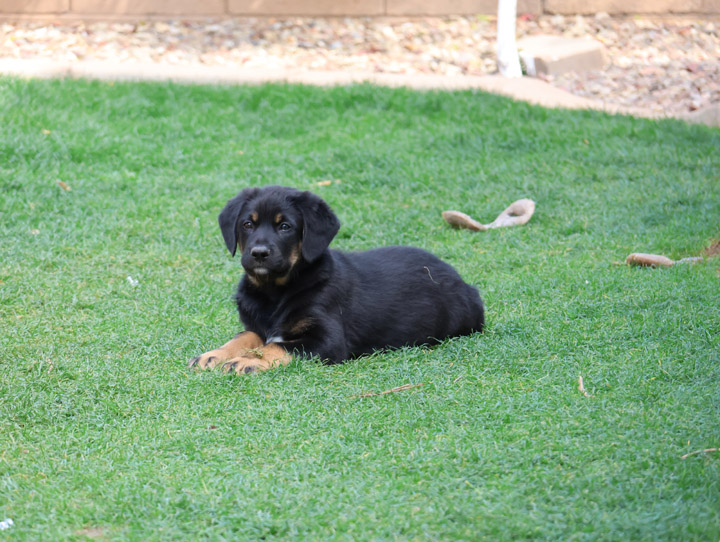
(106, 290)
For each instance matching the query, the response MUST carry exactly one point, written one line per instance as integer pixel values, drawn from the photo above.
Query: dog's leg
(234, 348)
(258, 359)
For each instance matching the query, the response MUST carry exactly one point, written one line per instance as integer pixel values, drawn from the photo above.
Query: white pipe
(507, 53)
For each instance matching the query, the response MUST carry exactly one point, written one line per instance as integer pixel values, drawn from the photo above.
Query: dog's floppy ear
(319, 225)
(229, 216)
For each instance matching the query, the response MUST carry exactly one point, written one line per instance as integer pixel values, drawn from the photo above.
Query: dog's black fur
(334, 305)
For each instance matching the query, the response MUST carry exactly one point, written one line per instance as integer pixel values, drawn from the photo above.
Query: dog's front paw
(258, 359)
(243, 365)
(208, 360)
(237, 347)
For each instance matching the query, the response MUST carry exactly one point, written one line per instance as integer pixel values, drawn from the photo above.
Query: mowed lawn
(113, 274)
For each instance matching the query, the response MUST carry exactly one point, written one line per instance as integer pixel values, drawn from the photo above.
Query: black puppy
(298, 296)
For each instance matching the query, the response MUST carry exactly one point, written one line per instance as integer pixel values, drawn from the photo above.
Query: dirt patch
(713, 250)
(94, 533)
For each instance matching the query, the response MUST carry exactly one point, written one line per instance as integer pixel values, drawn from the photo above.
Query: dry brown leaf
(64, 186)
(518, 213)
(649, 260)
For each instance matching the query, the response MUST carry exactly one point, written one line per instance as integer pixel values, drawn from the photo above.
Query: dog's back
(397, 296)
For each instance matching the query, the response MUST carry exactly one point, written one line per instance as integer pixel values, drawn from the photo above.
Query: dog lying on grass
(299, 297)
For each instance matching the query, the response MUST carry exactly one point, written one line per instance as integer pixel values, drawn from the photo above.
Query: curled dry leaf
(518, 213)
(657, 260)
(64, 186)
(648, 260)
(461, 220)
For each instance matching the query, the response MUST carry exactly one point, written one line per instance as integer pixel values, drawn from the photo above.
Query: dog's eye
(284, 227)
(248, 225)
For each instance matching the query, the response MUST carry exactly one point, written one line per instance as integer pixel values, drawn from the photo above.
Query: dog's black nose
(260, 252)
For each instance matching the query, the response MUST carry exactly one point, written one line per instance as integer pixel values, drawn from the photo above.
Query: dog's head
(275, 227)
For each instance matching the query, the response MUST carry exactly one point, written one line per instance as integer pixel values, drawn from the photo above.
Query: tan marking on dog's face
(295, 254)
(293, 258)
(279, 218)
(254, 216)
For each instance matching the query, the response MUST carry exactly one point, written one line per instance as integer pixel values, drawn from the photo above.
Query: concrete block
(306, 7)
(34, 6)
(148, 7)
(553, 55)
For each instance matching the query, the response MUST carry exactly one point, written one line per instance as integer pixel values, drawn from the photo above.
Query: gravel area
(665, 65)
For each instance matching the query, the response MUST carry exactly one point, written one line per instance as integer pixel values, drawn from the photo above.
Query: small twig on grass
(394, 390)
(697, 452)
(581, 387)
